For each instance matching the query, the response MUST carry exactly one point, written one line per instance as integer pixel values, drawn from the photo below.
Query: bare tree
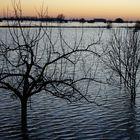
(122, 59)
(36, 59)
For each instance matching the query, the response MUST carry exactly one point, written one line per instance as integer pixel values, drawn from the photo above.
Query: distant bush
(119, 20)
(109, 25)
(82, 20)
(137, 25)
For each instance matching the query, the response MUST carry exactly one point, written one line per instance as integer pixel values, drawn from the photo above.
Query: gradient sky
(111, 9)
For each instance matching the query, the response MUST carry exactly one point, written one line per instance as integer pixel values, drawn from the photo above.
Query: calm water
(50, 118)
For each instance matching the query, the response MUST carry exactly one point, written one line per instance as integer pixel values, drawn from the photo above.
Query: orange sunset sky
(110, 9)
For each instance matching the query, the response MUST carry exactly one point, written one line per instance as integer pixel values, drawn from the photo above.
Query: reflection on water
(54, 119)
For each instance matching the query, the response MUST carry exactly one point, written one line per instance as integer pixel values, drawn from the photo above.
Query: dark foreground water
(54, 119)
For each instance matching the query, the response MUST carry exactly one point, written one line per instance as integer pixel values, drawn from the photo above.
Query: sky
(89, 9)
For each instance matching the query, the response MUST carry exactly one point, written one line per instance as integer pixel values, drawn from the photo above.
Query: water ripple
(54, 119)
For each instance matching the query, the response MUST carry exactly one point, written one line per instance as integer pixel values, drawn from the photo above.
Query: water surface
(50, 118)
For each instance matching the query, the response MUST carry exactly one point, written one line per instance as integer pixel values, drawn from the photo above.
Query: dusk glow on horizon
(89, 9)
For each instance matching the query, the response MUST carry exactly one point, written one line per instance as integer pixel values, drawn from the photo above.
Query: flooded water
(70, 24)
(50, 118)
(55, 119)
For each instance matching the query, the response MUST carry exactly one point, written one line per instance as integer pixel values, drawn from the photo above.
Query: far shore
(37, 26)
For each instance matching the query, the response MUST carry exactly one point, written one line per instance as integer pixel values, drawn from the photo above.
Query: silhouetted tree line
(61, 18)
(45, 19)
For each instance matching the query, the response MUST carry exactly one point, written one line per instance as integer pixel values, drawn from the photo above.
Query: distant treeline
(60, 18)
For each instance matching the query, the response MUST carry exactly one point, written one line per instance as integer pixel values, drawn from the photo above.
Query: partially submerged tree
(137, 26)
(36, 59)
(122, 60)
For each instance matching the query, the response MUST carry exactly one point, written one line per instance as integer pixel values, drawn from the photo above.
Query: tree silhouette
(33, 60)
(119, 20)
(122, 60)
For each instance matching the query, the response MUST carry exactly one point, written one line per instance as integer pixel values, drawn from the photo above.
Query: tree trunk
(133, 95)
(24, 114)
